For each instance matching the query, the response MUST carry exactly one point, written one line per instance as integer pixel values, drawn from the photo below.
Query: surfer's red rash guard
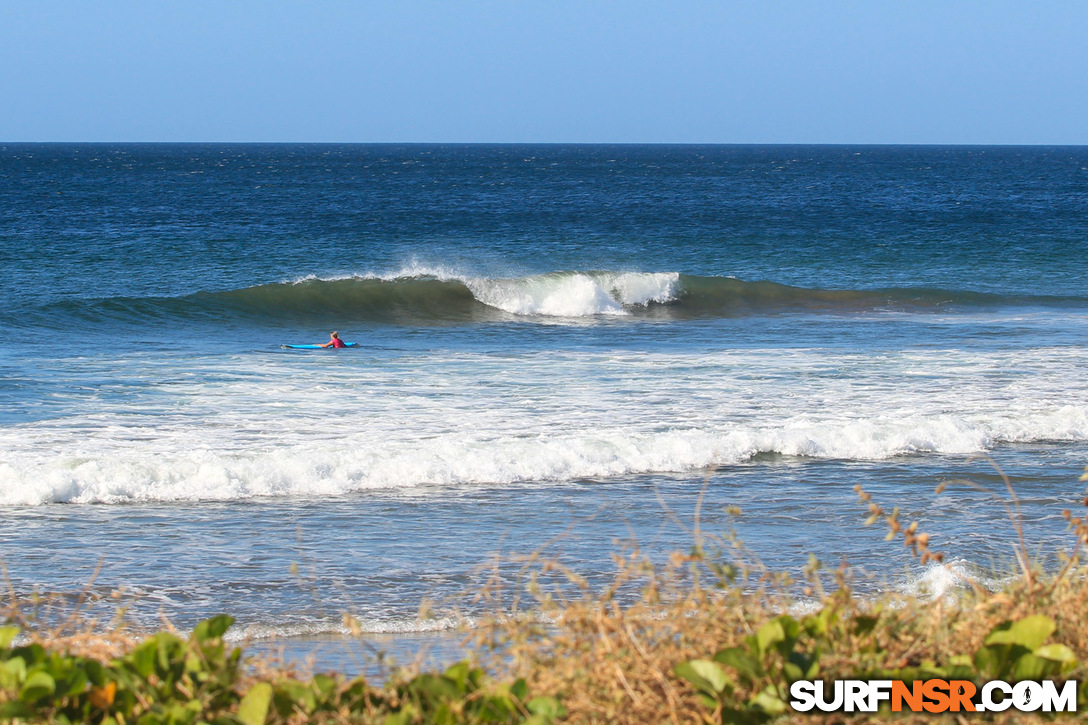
(337, 342)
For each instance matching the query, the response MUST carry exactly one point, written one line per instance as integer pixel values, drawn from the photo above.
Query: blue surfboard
(316, 347)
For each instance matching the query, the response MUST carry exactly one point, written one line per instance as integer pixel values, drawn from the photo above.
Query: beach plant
(170, 680)
(717, 639)
(748, 682)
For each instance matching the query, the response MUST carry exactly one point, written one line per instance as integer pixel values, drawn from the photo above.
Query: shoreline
(707, 636)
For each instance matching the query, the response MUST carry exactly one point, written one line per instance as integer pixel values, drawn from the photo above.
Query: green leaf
(1057, 652)
(253, 709)
(96, 672)
(193, 663)
(7, 636)
(519, 689)
(404, 717)
(76, 682)
(494, 708)
(31, 653)
(290, 694)
(769, 701)
(143, 658)
(212, 628)
(325, 686)
(537, 720)
(38, 685)
(458, 674)
(1030, 667)
(546, 707)
(959, 668)
(782, 630)
(818, 624)
(16, 709)
(864, 625)
(184, 714)
(741, 661)
(1029, 632)
(800, 666)
(704, 675)
(433, 688)
(791, 627)
(994, 660)
(12, 673)
(356, 691)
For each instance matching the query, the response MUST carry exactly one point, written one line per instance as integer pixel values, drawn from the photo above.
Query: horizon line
(971, 144)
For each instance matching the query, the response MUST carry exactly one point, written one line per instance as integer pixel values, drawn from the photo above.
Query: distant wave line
(436, 298)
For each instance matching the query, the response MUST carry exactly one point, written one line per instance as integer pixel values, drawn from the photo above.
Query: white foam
(302, 428)
(411, 270)
(565, 294)
(365, 625)
(575, 294)
(465, 458)
(636, 288)
(940, 581)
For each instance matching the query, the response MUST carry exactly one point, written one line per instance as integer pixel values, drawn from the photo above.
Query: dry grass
(611, 662)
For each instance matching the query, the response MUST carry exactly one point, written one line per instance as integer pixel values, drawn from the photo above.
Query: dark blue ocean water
(551, 339)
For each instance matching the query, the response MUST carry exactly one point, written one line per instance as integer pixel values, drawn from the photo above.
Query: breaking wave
(433, 297)
(462, 458)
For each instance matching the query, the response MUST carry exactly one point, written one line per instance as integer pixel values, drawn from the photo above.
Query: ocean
(563, 350)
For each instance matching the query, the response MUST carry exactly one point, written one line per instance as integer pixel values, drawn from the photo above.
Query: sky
(551, 71)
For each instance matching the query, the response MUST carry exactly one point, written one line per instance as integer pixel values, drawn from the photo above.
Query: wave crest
(576, 294)
(421, 295)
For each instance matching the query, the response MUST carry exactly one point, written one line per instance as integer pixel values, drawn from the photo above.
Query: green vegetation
(749, 683)
(709, 640)
(167, 680)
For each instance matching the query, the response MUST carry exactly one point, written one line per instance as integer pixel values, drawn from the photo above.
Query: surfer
(334, 341)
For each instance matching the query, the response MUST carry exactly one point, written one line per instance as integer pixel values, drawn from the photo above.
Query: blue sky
(678, 71)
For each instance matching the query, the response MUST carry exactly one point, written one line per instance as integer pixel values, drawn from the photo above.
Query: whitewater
(404, 421)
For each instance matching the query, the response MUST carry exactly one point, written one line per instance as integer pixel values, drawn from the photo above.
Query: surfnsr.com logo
(933, 696)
